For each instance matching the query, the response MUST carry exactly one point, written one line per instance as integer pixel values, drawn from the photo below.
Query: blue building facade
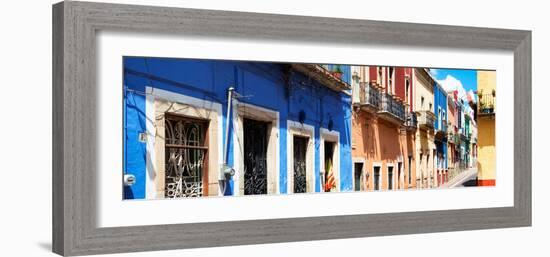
(304, 111)
(440, 138)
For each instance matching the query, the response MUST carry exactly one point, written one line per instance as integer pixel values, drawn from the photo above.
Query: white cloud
(451, 84)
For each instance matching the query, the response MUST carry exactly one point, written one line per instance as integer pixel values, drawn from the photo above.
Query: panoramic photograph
(198, 128)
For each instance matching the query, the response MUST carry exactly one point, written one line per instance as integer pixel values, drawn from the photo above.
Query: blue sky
(452, 79)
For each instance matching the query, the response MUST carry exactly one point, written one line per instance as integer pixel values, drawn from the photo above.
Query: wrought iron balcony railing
(411, 120)
(441, 129)
(486, 104)
(450, 131)
(369, 95)
(393, 107)
(443, 126)
(465, 134)
(456, 139)
(452, 137)
(426, 119)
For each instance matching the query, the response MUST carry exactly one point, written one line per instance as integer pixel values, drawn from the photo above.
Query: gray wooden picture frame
(75, 25)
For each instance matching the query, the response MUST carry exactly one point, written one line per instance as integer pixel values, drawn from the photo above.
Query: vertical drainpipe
(229, 104)
(223, 179)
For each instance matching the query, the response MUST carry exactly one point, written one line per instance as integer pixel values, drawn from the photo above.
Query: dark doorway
(358, 175)
(410, 170)
(390, 177)
(255, 157)
(376, 178)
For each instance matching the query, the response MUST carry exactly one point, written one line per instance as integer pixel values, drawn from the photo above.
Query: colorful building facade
(462, 133)
(440, 134)
(486, 155)
(282, 128)
(454, 141)
(425, 146)
(468, 124)
(208, 128)
(383, 145)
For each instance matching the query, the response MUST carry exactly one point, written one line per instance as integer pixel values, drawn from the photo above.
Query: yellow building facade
(486, 83)
(425, 146)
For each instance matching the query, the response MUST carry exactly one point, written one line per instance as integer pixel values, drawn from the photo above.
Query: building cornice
(322, 76)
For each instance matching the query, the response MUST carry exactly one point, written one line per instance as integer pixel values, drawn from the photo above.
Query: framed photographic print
(184, 128)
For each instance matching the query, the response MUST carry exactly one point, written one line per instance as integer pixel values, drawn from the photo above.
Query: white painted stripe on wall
(150, 167)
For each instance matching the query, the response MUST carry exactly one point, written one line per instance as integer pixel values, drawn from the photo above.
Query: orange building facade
(384, 128)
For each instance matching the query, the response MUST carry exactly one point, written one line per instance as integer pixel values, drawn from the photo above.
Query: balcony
(411, 121)
(486, 104)
(322, 75)
(369, 97)
(453, 138)
(442, 129)
(426, 119)
(456, 139)
(453, 135)
(465, 135)
(392, 109)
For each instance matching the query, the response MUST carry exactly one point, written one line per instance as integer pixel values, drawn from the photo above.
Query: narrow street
(467, 178)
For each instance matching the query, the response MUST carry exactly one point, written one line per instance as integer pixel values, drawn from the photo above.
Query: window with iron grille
(186, 156)
(300, 148)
